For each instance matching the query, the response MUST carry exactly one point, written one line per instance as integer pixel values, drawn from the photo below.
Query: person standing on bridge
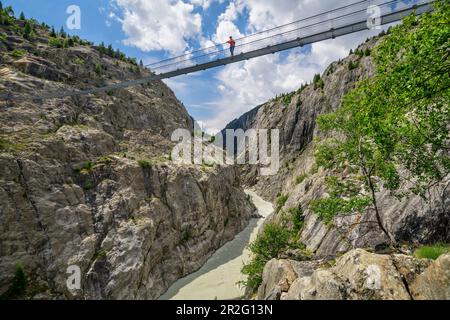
(232, 44)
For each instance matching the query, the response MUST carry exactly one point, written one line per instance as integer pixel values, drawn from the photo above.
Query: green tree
(1, 7)
(110, 51)
(22, 16)
(62, 33)
(9, 11)
(27, 30)
(18, 286)
(98, 69)
(270, 243)
(392, 129)
(53, 32)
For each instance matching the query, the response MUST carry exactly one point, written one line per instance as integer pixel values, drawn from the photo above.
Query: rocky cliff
(358, 275)
(88, 181)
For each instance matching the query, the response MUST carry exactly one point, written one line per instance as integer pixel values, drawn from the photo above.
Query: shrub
(145, 164)
(98, 69)
(4, 144)
(18, 286)
(55, 42)
(353, 65)
(87, 167)
(318, 82)
(296, 216)
(281, 201)
(432, 252)
(18, 53)
(270, 243)
(27, 30)
(301, 178)
(79, 61)
(100, 254)
(104, 160)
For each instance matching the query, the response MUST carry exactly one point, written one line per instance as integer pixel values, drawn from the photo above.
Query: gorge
(91, 181)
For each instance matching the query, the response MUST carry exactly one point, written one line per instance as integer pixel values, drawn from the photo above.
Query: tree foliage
(393, 128)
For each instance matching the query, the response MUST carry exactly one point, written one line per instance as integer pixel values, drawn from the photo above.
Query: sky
(153, 30)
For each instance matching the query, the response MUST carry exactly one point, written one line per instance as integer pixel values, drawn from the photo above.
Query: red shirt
(232, 43)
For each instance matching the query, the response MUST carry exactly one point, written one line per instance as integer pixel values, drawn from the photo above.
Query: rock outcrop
(357, 275)
(88, 181)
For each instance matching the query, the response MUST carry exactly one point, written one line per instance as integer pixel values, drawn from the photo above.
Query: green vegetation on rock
(275, 239)
(18, 286)
(145, 164)
(281, 201)
(432, 252)
(396, 119)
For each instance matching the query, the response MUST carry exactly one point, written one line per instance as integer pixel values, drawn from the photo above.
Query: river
(218, 277)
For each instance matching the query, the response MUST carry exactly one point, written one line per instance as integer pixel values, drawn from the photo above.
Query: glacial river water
(218, 277)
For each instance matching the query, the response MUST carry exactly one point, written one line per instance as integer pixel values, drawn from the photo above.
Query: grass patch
(79, 61)
(100, 254)
(18, 53)
(145, 164)
(432, 252)
(300, 179)
(7, 145)
(104, 160)
(86, 168)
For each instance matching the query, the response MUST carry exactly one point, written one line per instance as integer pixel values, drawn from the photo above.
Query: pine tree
(141, 64)
(22, 16)
(62, 33)
(110, 51)
(18, 286)
(1, 7)
(53, 33)
(28, 29)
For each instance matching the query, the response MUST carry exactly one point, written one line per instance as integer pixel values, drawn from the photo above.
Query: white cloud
(226, 26)
(159, 24)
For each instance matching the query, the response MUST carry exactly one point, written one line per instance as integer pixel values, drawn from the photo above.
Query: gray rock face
(280, 275)
(88, 182)
(434, 283)
(358, 275)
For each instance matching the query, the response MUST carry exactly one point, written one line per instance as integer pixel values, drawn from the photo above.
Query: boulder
(434, 282)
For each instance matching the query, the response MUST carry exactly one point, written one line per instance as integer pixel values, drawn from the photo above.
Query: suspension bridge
(359, 16)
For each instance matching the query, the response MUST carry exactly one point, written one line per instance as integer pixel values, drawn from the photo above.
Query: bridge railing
(337, 18)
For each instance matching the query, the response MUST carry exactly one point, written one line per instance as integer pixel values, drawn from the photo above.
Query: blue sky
(153, 30)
